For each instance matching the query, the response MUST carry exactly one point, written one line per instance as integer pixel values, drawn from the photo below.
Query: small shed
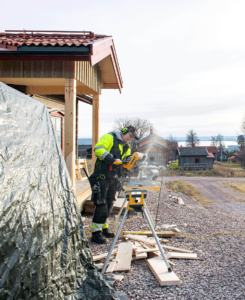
(195, 158)
(85, 151)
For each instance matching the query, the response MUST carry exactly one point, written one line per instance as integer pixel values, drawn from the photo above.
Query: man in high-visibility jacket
(104, 181)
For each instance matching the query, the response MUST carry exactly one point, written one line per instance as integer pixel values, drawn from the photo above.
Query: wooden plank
(70, 128)
(124, 257)
(181, 255)
(160, 271)
(176, 249)
(103, 255)
(147, 250)
(111, 267)
(95, 124)
(141, 239)
(149, 233)
(136, 255)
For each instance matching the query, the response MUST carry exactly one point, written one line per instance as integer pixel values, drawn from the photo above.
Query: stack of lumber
(143, 247)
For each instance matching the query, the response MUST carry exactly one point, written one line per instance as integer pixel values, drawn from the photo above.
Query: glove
(109, 159)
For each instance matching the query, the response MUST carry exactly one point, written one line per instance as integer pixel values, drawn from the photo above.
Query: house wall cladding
(80, 70)
(154, 139)
(157, 157)
(191, 160)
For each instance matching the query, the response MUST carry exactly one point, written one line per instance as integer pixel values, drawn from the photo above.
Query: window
(197, 160)
(152, 159)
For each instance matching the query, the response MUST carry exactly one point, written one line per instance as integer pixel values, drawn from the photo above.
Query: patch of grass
(175, 166)
(188, 189)
(236, 165)
(236, 186)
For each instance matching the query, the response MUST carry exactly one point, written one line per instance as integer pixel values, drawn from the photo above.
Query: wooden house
(85, 151)
(62, 69)
(211, 149)
(156, 148)
(222, 156)
(240, 156)
(195, 158)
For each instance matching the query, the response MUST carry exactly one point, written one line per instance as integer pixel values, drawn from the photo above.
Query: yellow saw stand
(136, 201)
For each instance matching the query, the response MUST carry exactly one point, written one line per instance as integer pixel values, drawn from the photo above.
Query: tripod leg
(119, 214)
(114, 241)
(157, 240)
(147, 210)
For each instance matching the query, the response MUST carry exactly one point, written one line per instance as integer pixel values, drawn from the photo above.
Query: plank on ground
(176, 249)
(160, 271)
(111, 267)
(181, 255)
(103, 255)
(124, 257)
(149, 233)
(141, 239)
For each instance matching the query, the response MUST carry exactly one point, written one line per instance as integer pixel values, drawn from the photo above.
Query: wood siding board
(48, 69)
(1, 68)
(7, 68)
(58, 68)
(38, 69)
(27, 69)
(17, 69)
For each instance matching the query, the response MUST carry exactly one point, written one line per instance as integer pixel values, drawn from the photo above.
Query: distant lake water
(208, 143)
(183, 144)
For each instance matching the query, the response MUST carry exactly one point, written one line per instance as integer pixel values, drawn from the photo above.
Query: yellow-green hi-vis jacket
(105, 144)
(109, 148)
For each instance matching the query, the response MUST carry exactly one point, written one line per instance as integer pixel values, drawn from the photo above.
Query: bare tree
(213, 141)
(243, 125)
(192, 139)
(172, 147)
(241, 142)
(142, 126)
(220, 141)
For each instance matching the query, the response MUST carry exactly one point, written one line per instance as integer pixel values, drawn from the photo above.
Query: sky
(182, 62)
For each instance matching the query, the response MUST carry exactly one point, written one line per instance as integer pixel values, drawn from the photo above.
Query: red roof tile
(210, 155)
(53, 38)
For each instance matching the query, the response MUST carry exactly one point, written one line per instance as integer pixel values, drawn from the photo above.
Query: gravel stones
(219, 273)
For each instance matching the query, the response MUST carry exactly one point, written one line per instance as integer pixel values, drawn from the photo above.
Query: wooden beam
(45, 57)
(95, 124)
(110, 86)
(70, 128)
(55, 90)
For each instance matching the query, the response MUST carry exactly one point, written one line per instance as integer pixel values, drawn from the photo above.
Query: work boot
(107, 234)
(98, 238)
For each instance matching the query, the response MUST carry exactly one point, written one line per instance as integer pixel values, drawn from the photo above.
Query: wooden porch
(64, 67)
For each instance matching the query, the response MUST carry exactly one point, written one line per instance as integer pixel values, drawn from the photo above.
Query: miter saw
(135, 172)
(137, 176)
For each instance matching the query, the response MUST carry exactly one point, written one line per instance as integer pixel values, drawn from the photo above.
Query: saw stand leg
(157, 240)
(114, 241)
(117, 235)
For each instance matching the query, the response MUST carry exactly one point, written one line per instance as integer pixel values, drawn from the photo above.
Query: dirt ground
(225, 198)
(218, 273)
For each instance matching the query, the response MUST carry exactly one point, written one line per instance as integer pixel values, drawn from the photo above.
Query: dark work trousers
(108, 190)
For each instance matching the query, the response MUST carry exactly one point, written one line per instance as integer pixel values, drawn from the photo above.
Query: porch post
(70, 128)
(95, 124)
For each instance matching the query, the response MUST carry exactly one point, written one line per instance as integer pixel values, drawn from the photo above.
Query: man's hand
(118, 159)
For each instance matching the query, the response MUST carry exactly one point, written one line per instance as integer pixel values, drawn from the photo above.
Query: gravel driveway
(218, 274)
(225, 198)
